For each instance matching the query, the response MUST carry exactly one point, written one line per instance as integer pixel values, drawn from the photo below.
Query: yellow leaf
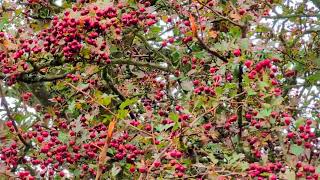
(78, 105)
(164, 18)
(9, 45)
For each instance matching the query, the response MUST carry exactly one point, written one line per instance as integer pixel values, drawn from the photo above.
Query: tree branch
(291, 16)
(212, 52)
(142, 64)
(11, 118)
(116, 91)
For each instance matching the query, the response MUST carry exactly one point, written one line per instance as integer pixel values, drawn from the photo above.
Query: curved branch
(5, 105)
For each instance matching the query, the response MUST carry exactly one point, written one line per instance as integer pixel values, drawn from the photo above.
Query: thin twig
(88, 95)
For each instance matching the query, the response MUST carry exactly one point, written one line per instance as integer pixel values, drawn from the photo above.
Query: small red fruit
(237, 52)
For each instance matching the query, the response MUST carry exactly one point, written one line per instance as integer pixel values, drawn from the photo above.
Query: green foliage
(159, 89)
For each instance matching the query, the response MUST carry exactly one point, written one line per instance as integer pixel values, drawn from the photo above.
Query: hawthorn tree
(154, 89)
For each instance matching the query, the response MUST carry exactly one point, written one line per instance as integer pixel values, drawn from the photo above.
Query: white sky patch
(58, 2)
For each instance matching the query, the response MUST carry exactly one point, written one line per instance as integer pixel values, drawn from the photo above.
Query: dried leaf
(193, 25)
(110, 128)
(235, 16)
(213, 34)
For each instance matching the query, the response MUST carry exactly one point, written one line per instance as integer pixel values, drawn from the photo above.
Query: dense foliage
(156, 89)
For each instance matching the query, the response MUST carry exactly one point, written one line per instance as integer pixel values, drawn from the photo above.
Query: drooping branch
(4, 103)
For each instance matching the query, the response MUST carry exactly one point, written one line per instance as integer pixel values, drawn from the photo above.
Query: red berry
(299, 174)
(287, 120)
(248, 63)
(142, 170)
(242, 11)
(132, 169)
(207, 126)
(180, 174)
(9, 123)
(157, 164)
(237, 52)
(299, 164)
(309, 122)
(290, 135)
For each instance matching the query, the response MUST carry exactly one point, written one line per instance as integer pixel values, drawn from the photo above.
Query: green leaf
(76, 172)
(85, 52)
(162, 127)
(314, 78)
(128, 102)
(244, 44)
(222, 46)
(105, 100)
(176, 126)
(174, 117)
(122, 113)
(63, 137)
(251, 92)
(299, 122)
(262, 85)
(231, 86)
(5, 20)
(115, 170)
(155, 30)
(199, 55)
(72, 106)
(175, 57)
(235, 31)
(296, 150)
(108, 118)
(219, 91)
(19, 118)
(244, 165)
(176, 31)
(264, 113)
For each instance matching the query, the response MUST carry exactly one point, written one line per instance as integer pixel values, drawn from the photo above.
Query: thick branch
(25, 78)
(31, 79)
(142, 64)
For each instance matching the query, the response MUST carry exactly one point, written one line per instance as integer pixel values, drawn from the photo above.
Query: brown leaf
(235, 16)
(193, 25)
(213, 34)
